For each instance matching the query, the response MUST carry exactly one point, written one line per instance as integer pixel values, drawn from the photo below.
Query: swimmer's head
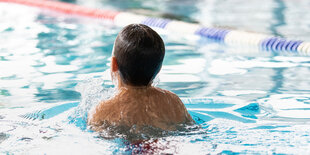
(138, 55)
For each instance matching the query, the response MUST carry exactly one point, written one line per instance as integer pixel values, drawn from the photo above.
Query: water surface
(53, 67)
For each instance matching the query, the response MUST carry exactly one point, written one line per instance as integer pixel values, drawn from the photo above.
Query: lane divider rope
(230, 37)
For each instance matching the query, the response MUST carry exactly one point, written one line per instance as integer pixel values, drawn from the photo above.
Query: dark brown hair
(139, 53)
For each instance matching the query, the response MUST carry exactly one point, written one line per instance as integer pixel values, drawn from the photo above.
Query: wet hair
(139, 53)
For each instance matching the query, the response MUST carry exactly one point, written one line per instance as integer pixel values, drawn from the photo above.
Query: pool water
(54, 67)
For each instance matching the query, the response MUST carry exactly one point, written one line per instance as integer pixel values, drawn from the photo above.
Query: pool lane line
(67, 8)
(229, 37)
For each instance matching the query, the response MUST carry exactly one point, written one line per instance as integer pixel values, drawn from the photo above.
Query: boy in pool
(137, 58)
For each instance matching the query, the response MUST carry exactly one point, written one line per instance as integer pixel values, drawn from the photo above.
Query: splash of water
(92, 93)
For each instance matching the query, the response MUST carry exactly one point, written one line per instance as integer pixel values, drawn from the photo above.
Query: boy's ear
(114, 65)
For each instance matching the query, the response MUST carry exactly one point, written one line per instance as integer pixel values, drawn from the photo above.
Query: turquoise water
(53, 68)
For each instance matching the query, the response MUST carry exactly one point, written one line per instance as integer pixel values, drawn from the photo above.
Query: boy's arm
(94, 115)
(187, 117)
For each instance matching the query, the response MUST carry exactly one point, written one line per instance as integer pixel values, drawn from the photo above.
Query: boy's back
(141, 107)
(137, 58)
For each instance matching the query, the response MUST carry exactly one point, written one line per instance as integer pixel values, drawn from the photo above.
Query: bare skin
(139, 106)
(142, 106)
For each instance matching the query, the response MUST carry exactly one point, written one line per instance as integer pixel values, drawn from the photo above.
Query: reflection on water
(54, 68)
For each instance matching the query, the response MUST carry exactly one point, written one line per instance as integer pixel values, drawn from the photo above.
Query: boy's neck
(131, 87)
(127, 87)
(122, 86)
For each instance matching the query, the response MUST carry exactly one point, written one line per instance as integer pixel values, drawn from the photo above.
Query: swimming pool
(247, 102)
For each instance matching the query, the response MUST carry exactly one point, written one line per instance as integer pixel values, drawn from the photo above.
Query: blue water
(54, 67)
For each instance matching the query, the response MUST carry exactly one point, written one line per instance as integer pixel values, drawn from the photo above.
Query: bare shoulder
(98, 112)
(170, 100)
(177, 105)
(170, 94)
